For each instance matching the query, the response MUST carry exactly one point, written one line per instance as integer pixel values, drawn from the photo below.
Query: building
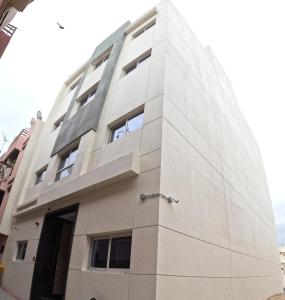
(9, 165)
(8, 10)
(282, 259)
(146, 181)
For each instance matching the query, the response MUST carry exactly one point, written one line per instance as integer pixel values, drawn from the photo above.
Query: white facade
(218, 242)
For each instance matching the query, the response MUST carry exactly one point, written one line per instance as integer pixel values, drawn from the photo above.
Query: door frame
(72, 208)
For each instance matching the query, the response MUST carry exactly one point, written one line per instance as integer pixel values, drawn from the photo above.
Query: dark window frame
(89, 96)
(66, 156)
(40, 175)
(124, 124)
(144, 29)
(110, 239)
(136, 62)
(21, 250)
(58, 122)
(101, 59)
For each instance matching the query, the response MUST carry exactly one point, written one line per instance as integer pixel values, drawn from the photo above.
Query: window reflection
(128, 126)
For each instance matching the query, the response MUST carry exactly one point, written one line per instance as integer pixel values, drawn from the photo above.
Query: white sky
(247, 37)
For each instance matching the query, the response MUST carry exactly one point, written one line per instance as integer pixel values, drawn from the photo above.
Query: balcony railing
(5, 37)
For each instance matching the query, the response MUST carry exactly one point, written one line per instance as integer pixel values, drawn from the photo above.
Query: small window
(58, 122)
(111, 253)
(21, 251)
(128, 126)
(66, 164)
(104, 57)
(9, 188)
(137, 62)
(89, 97)
(2, 194)
(99, 255)
(41, 174)
(72, 90)
(120, 252)
(145, 28)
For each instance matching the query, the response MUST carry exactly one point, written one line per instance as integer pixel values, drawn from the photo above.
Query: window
(41, 174)
(21, 251)
(72, 90)
(145, 28)
(66, 164)
(137, 62)
(128, 126)
(2, 194)
(104, 57)
(89, 97)
(111, 253)
(58, 122)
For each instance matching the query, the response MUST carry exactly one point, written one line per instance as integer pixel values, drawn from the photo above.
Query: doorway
(52, 261)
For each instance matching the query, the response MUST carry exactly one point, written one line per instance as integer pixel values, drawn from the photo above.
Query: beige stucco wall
(218, 242)
(15, 193)
(114, 208)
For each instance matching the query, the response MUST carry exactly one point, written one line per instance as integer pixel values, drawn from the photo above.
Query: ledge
(150, 13)
(124, 167)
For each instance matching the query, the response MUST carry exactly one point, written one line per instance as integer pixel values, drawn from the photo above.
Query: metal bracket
(169, 199)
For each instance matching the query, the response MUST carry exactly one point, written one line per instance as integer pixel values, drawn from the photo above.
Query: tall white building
(146, 182)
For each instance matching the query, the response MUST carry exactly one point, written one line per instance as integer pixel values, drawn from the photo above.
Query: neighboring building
(5, 36)
(145, 182)
(282, 259)
(8, 10)
(9, 166)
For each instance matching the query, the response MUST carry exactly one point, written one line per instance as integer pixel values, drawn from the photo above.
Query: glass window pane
(72, 92)
(120, 252)
(135, 123)
(118, 133)
(72, 157)
(130, 68)
(38, 179)
(83, 102)
(22, 247)
(91, 96)
(150, 25)
(138, 33)
(99, 63)
(107, 57)
(99, 253)
(88, 99)
(144, 58)
(41, 176)
(63, 162)
(64, 173)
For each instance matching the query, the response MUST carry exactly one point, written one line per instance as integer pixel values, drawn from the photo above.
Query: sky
(247, 37)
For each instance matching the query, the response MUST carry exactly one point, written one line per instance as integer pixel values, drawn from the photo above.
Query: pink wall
(19, 143)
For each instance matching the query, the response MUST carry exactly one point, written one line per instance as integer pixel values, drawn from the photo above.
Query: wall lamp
(169, 199)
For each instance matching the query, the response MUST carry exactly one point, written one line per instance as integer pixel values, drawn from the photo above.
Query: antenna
(5, 140)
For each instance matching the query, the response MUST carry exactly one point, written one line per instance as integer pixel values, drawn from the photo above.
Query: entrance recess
(51, 266)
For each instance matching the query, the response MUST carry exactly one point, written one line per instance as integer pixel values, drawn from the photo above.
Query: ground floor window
(112, 252)
(21, 250)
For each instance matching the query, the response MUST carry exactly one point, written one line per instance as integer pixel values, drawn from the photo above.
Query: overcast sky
(247, 37)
